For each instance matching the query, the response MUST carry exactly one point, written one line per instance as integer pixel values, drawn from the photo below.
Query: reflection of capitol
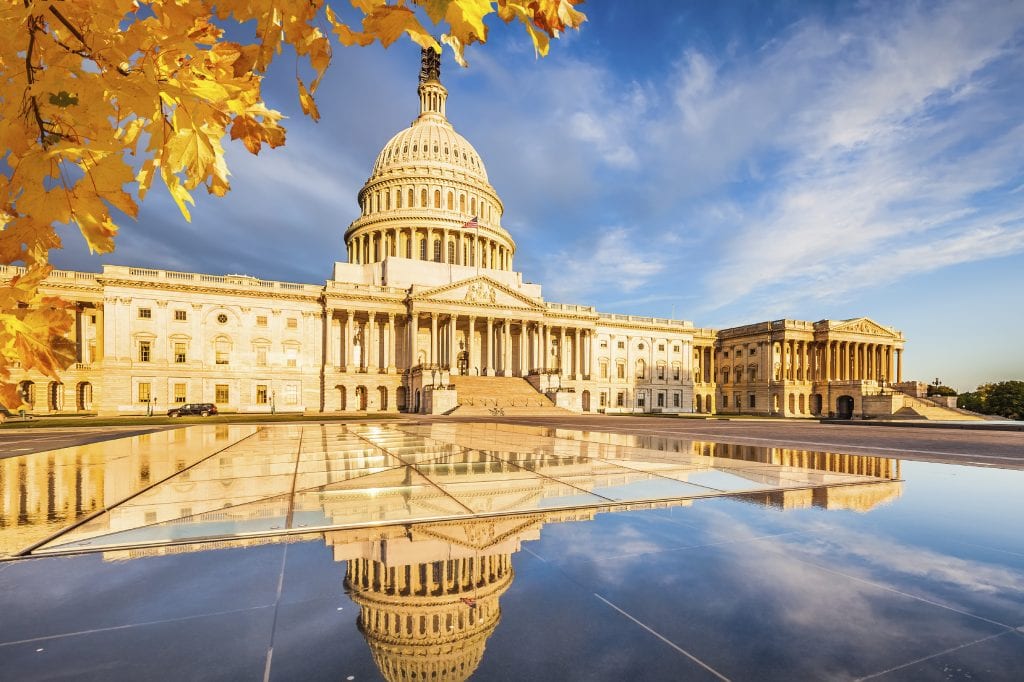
(428, 593)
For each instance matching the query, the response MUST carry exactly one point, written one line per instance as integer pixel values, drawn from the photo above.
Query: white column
(391, 342)
(506, 348)
(433, 338)
(472, 360)
(489, 358)
(372, 343)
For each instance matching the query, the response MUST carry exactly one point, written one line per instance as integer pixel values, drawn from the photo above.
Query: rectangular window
(293, 323)
(291, 394)
(604, 399)
(675, 372)
(221, 393)
(641, 400)
(180, 315)
(261, 320)
(179, 393)
(145, 314)
(753, 351)
(604, 370)
(222, 353)
(180, 350)
(620, 399)
(675, 400)
(144, 392)
(261, 356)
(661, 400)
(620, 371)
(661, 371)
(622, 344)
(752, 399)
(261, 394)
(661, 346)
(675, 349)
(291, 357)
(145, 350)
(725, 354)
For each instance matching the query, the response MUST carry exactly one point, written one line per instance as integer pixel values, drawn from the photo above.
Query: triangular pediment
(862, 325)
(479, 291)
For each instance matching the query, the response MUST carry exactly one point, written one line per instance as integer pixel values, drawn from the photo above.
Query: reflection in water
(428, 590)
(218, 482)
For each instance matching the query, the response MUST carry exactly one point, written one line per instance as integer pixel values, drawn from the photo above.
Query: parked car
(189, 409)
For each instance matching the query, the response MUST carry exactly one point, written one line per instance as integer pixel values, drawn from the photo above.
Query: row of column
(452, 576)
(498, 354)
(857, 360)
(362, 344)
(458, 247)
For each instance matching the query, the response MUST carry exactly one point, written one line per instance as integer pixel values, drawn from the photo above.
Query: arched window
(472, 205)
(437, 198)
(641, 369)
(411, 197)
(423, 199)
(462, 203)
(387, 197)
(450, 201)
(437, 250)
(423, 249)
(451, 252)
(398, 199)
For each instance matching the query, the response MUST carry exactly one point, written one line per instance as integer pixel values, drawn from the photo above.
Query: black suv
(202, 409)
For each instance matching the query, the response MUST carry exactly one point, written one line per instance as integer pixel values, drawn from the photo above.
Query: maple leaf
(95, 81)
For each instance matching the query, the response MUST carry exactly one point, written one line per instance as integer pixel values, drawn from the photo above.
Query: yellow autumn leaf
(307, 102)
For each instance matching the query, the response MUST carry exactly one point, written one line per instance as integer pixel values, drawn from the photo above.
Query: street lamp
(273, 406)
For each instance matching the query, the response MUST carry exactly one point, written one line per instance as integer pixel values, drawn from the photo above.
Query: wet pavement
(798, 564)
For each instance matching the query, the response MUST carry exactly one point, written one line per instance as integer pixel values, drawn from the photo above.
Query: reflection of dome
(427, 183)
(429, 621)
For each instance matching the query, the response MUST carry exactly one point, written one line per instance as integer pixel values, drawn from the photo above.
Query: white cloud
(617, 260)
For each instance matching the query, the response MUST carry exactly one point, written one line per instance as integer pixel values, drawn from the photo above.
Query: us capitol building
(429, 315)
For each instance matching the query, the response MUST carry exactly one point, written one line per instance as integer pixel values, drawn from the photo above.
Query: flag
(472, 224)
(471, 603)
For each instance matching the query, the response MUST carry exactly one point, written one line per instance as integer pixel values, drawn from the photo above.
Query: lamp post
(273, 405)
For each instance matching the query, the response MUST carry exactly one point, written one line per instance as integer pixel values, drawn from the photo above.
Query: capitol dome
(428, 197)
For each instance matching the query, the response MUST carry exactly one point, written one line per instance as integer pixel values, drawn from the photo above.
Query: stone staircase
(922, 408)
(500, 396)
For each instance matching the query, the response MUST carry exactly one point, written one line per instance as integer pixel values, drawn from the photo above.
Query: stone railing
(234, 281)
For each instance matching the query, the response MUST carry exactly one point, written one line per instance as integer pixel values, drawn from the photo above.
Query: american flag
(472, 224)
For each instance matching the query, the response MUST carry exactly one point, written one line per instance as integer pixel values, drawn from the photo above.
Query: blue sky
(724, 163)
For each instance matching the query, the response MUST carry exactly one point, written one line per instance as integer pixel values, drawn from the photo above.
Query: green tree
(1005, 399)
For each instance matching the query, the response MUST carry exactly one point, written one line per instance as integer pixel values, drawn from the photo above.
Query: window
(676, 370)
(620, 399)
(261, 320)
(261, 356)
(221, 393)
(661, 400)
(604, 370)
(179, 393)
(180, 315)
(437, 250)
(222, 352)
(222, 319)
(411, 198)
(261, 394)
(753, 351)
(451, 201)
(641, 400)
(291, 356)
(604, 344)
(145, 314)
(725, 354)
(661, 371)
(180, 350)
(423, 199)
(291, 394)
(604, 399)
(661, 346)
(675, 349)
(293, 323)
(451, 252)
(675, 400)
(145, 350)
(437, 198)
(423, 249)
(641, 369)
(145, 392)
(621, 345)
(752, 400)
(620, 370)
